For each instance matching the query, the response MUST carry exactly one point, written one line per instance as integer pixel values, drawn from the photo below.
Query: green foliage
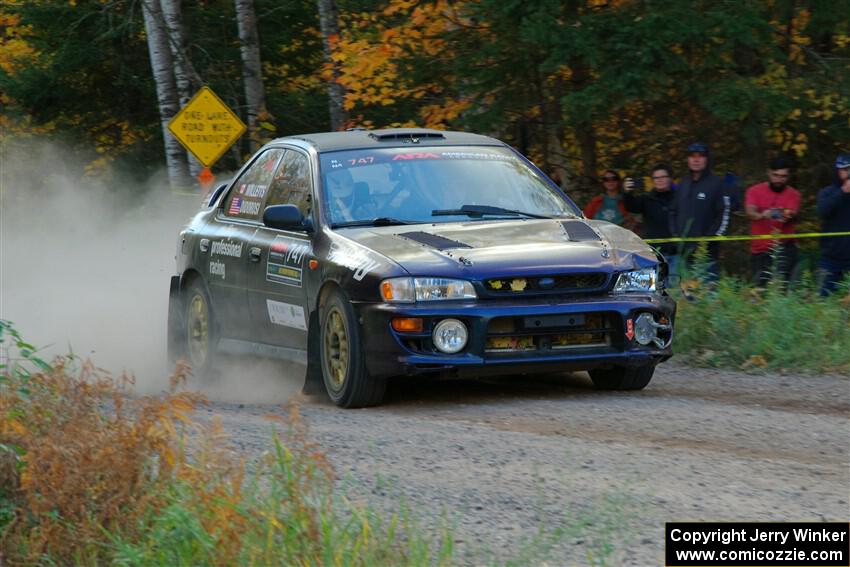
(737, 326)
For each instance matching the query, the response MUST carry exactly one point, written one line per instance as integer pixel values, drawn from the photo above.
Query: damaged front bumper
(507, 336)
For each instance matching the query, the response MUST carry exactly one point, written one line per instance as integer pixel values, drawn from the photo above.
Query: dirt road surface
(498, 461)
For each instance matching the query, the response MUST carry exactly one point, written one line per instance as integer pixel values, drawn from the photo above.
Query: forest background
(578, 86)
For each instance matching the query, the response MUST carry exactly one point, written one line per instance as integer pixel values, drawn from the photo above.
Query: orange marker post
(206, 179)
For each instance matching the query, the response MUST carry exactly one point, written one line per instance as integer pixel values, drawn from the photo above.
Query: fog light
(645, 329)
(450, 336)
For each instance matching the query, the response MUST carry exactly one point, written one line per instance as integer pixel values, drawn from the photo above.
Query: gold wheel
(335, 354)
(198, 330)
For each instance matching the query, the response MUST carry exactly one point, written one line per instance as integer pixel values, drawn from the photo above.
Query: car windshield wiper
(380, 221)
(481, 210)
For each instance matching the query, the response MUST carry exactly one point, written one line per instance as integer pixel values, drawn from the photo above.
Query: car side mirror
(286, 217)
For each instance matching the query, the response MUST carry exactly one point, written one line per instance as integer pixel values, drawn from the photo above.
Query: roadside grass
(737, 325)
(92, 476)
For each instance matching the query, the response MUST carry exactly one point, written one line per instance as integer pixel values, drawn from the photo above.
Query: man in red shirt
(773, 207)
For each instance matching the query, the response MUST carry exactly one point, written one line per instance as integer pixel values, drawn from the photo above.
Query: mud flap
(176, 339)
(313, 383)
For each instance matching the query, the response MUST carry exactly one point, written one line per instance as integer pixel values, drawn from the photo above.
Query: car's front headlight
(408, 290)
(637, 280)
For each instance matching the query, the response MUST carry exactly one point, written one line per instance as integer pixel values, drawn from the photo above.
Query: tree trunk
(553, 123)
(166, 92)
(329, 21)
(252, 76)
(187, 79)
(583, 128)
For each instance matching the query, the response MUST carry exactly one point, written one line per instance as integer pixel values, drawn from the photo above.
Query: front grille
(546, 284)
(553, 334)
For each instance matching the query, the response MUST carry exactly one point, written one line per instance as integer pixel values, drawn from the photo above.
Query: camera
(636, 183)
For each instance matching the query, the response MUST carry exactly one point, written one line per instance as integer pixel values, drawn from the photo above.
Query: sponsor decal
(286, 314)
(285, 260)
(217, 268)
(518, 284)
(355, 259)
(335, 164)
(418, 155)
(630, 329)
(223, 248)
(476, 155)
(235, 206)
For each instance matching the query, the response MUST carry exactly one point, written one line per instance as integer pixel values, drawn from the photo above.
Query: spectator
(701, 205)
(609, 206)
(655, 208)
(772, 207)
(834, 209)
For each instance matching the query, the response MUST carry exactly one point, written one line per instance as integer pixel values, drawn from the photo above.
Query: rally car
(372, 254)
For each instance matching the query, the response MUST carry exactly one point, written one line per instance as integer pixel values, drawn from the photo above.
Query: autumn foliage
(90, 475)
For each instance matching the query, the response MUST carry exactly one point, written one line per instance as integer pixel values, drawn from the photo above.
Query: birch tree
(187, 80)
(329, 22)
(166, 91)
(252, 76)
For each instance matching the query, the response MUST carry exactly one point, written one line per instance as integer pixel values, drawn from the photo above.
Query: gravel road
(500, 460)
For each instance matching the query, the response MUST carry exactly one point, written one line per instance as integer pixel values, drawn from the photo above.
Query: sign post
(207, 128)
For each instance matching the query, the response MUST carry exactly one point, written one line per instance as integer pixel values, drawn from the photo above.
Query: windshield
(410, 185)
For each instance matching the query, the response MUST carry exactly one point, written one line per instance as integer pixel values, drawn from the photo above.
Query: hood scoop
(432, 240)
(577, 231)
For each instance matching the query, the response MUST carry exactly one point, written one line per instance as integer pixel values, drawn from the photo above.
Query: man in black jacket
(834, 209)
(701, 206)
(655, 208)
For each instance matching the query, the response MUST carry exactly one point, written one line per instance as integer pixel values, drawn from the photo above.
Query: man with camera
(773, 207)
(654, 205)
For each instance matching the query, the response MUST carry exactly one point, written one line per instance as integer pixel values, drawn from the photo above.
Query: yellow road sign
(206, 126)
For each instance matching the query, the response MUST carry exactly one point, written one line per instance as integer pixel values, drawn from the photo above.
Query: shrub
(733, 324)
(93, 476)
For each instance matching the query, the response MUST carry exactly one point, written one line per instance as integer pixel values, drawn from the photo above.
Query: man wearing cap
(834, 209)
(700, 206)
(773, 207)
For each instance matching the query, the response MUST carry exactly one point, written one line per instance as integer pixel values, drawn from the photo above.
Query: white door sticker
(286, 314)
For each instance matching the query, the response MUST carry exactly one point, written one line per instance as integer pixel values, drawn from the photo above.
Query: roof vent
(412, 137)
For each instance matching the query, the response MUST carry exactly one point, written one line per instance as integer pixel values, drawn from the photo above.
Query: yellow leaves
(755, 361)
(11, 425)
(439, 115)
(799, 144)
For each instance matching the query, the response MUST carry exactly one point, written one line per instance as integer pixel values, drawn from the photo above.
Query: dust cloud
(85, 268)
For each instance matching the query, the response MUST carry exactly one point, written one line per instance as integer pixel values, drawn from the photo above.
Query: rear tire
(198, 329)
(622, 377)
(176, 347)
(343, 365)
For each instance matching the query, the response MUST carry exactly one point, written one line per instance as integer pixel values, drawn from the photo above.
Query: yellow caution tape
(745, 237)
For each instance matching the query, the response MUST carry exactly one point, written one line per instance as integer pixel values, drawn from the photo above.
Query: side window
(246, 197)
(291, 183)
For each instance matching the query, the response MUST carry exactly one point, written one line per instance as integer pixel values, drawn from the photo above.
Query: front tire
(622, 377)
(344, 373)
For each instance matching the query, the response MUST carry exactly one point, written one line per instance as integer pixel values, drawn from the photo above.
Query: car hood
(478, 249)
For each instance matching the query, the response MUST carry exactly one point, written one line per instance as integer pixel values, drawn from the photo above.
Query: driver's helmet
(340, 184)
